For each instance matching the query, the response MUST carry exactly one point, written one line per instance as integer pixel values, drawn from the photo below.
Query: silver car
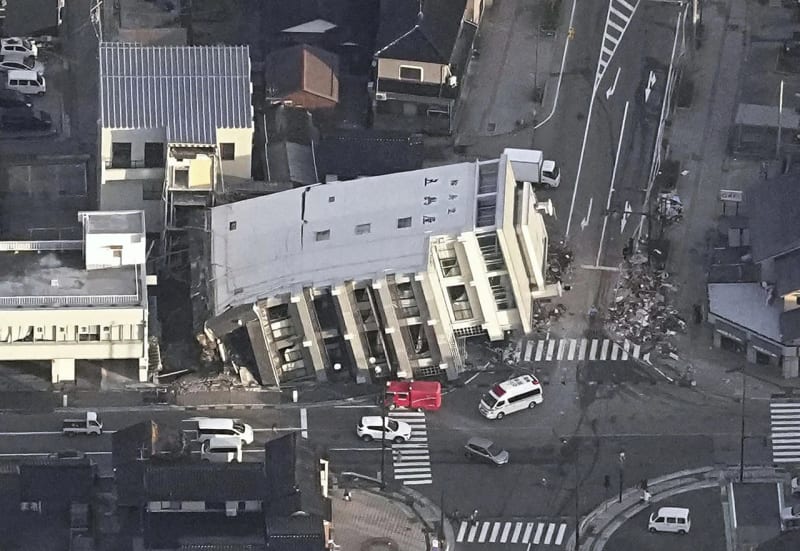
(481, 448)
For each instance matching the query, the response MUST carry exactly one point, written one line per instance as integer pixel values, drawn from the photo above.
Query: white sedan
(18, 47)
(8, 63)
(371, 428)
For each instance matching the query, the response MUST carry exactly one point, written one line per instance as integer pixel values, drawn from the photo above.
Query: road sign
(731, 195)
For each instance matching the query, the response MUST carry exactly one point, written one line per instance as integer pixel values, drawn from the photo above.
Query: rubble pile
(641, 312)
(559, 260)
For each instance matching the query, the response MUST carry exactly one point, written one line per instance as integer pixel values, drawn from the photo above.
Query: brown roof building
(305, 75)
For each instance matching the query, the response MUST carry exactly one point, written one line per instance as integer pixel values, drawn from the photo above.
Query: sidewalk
(599, 525)
(366, 518)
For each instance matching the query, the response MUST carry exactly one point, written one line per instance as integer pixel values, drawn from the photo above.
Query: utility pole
(780, 123)
(742, 437)
(383, 437)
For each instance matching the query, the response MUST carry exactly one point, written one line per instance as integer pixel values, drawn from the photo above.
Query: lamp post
(741, 436)
(621, 459)
(383, 429)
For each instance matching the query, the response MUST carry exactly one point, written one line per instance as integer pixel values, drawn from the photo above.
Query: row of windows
(361, 229)
(154, 155)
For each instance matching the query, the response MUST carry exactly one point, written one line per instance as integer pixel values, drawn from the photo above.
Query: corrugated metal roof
(189, 90)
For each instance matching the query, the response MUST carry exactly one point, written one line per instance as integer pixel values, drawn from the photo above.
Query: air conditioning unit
(380, 96)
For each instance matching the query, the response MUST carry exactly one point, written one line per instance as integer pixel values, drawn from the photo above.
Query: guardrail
(69, 300)
(42, 245)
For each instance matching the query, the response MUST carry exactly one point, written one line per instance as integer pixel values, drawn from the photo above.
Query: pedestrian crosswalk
(510, 532)
(546, 350)
(619, 15)
(785, 431)
(411, 460)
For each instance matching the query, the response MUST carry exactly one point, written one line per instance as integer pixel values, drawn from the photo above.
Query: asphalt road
(707, 532)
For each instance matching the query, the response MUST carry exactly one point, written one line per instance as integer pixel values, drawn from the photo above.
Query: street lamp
(741, 436)
(621, 459)
(383, 432)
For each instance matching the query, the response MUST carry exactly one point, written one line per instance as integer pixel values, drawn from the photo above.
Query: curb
(672, 484)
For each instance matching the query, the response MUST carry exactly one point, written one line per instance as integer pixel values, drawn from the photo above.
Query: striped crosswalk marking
(619, 15)
(411, 460)
(582, 349)
(785, 431)
(510, 532)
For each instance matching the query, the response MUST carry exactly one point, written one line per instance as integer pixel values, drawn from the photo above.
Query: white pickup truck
(90, 424)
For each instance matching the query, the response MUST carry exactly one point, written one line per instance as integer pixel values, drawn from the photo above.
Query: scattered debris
(670, 207)
(559, 261)
(641, 312)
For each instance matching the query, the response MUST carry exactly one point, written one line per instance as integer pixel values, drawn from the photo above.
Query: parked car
(796, 485)
(67, 454)
(11, 63)
(25, 118)
(12, 98)
(670, 519)
(18, 47)
(486, 450)
(371, 428)
(26, 82)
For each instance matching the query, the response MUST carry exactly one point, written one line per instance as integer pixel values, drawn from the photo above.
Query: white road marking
(304, 422)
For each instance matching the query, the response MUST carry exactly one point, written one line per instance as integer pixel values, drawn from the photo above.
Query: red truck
(419, 395)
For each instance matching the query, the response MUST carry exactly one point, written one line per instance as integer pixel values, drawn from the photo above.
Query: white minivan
(26, 82)
(209, 427)
(513, 395)
(670, 519)
(222, 449)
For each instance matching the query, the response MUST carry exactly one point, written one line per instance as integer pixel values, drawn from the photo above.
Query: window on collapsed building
(154, 155)
(120, 155)
(362, 229)
(323, 235)
(408, 72)
(151, 190)
(227, 151)
(404, 222)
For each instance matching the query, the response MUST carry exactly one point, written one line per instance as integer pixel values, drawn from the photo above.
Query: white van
(513, 395)
(222, 449)
(209, 427)
(26, 82)
(670, 519)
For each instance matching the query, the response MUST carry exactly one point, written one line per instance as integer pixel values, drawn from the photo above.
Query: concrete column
(439, 323)
(63, 370)
(345, 300)
(717, 340)
(790, 366)
(311, 339)
(392, 328)
(143, 369)
(751, 353)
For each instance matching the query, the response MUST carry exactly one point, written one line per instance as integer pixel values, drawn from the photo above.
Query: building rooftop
(114, 222)
(419, 31)
(357, 229)
(59, 278)
(773, 216)
(191, 91)
(745, 304)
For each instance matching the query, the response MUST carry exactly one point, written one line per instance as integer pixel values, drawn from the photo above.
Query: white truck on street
(529, 165)
(89, 424)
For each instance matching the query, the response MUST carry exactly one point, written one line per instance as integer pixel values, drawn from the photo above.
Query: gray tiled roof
(189, 90)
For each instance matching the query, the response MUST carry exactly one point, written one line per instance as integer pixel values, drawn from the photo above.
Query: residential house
(171, 500)
(62, 301)
(379, 276)
(304, 76)
(422, 50)
(171, 118)
(761, 314)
